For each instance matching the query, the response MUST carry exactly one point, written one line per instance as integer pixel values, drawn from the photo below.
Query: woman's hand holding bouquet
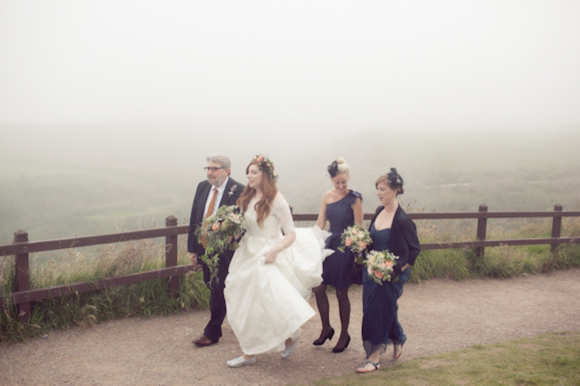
(357, 239)
(380, 265)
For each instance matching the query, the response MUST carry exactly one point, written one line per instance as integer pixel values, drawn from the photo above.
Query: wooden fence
(22, 296)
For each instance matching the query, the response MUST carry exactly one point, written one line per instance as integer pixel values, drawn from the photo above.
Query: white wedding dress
(267, 303)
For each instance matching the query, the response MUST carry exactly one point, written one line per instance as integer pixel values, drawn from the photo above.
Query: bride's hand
(270, 257)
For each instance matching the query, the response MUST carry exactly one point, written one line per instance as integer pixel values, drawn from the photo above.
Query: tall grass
(151, 298)
(497, 262)
(85, 309)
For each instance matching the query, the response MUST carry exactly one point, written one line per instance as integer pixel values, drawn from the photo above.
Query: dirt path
(438, 316)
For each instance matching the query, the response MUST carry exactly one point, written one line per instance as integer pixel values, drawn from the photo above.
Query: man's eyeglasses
(213, 168)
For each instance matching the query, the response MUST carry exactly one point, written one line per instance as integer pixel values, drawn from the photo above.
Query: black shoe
(341, 349)
(203, 341)
(320, 341)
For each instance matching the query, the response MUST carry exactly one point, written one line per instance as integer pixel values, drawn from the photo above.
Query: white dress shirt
(218, 199)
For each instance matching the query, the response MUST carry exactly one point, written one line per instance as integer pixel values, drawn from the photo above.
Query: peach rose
(378, 274)
(362, 245)
(388, 263)
(348, 242)
(215, 227)
(260, 158)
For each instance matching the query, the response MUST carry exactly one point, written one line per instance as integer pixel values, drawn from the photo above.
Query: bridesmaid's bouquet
(219, 232)
(380, 265)
(356, 238)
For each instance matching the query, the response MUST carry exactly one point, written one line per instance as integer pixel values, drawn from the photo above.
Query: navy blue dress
(380, 324)
(336, 269)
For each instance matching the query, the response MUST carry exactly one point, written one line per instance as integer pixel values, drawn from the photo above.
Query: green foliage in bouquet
(380, 266)
(221, 231)
(356, 238)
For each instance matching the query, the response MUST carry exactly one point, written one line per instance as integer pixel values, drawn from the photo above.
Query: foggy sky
(296, 66)
(121, 101)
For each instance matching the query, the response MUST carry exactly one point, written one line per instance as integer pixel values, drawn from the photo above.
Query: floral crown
(265, 165)
(395, 178)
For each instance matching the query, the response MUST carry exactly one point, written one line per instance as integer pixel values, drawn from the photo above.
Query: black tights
(343, 309)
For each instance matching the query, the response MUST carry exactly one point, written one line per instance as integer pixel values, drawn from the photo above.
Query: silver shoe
(289, 350)
(241, 361)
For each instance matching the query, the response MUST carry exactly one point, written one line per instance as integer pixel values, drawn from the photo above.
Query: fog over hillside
(75, 183)
(108, 109)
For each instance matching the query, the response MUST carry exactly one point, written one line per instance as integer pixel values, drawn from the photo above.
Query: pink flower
(348, 242)
(378, 274)
(388, 263)
(260, 158)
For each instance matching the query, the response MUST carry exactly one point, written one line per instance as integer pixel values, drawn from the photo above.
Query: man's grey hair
(220, 159)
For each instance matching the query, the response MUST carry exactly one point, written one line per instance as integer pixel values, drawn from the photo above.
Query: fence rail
(22, 296)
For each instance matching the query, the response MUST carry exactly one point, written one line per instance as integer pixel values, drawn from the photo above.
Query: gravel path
(438, 316)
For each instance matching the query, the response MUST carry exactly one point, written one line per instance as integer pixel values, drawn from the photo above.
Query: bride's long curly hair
(269, 191)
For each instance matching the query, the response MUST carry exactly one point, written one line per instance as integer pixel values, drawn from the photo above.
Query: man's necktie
(209, 213)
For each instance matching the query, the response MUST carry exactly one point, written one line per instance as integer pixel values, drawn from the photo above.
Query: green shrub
(441, 263)
(144, 299)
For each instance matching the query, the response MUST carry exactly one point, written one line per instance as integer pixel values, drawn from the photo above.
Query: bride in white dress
(271, 275)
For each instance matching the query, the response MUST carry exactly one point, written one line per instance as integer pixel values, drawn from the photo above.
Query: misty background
(108, 109)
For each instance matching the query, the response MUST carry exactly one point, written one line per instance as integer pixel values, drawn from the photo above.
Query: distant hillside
(95, 185)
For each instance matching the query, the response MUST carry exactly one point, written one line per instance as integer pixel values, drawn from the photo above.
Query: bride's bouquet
(356, 238)
(380, 265)
(219, 233)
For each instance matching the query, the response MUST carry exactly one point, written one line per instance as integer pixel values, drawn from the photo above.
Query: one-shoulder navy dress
(380, 324)
(336, 269)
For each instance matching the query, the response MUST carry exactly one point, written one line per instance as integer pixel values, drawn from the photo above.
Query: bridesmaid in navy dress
(342, 207)
(391, 229)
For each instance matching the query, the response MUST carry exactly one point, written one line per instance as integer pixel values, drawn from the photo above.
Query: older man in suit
(219, 189)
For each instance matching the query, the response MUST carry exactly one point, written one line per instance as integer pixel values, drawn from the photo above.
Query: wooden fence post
(171, 256)
(556, 227)
(481, 233)
(22, 282)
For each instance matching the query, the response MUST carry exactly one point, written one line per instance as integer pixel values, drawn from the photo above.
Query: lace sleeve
(281, 210)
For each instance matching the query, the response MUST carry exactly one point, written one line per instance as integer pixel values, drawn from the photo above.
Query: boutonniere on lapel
(232, 190)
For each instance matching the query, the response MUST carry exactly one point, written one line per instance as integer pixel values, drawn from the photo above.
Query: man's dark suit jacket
(230, 196)
(404, 240)
(217, 302)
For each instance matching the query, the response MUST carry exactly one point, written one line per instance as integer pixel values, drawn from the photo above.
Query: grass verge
(498, 262)
(549, 359)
